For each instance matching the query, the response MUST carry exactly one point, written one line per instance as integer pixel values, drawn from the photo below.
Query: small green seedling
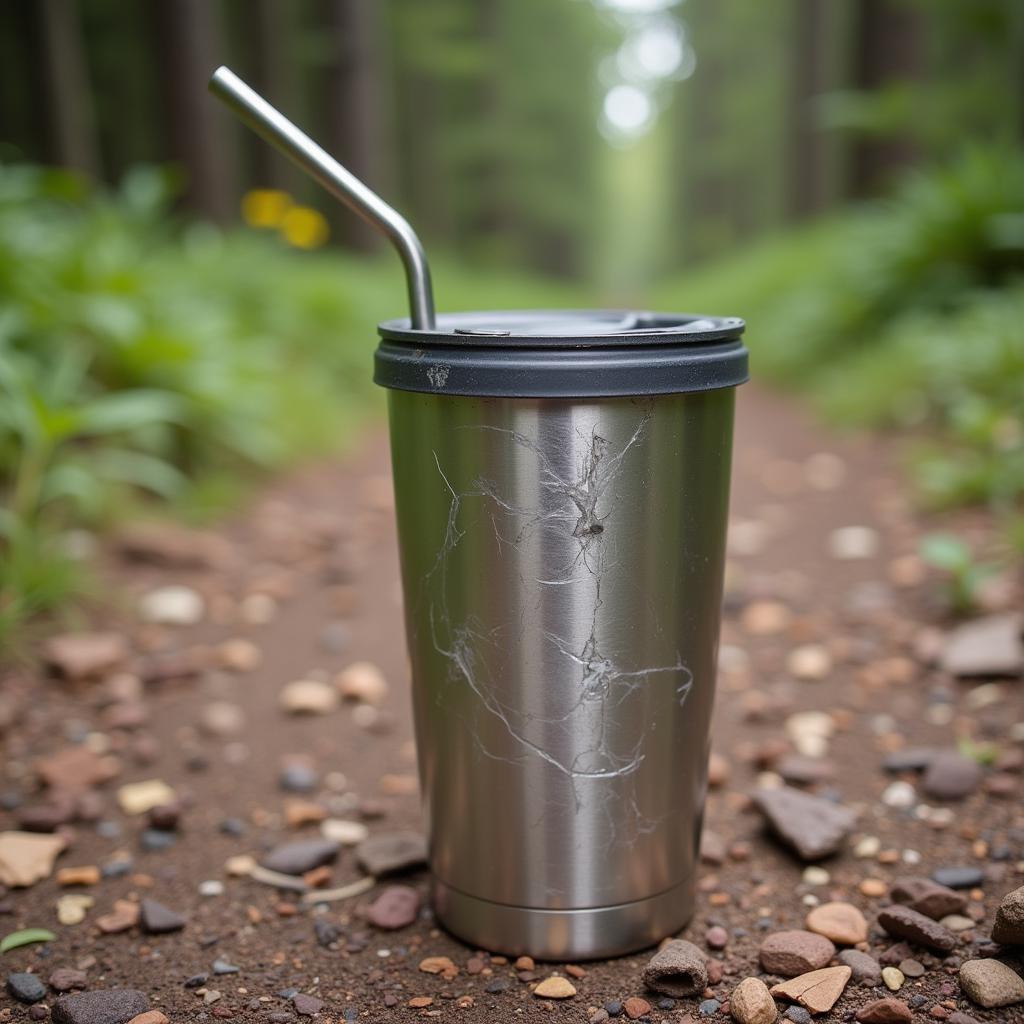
(950, 554)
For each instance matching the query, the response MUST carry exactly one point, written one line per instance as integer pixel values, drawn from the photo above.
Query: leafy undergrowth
(908, 314)
(146, 359)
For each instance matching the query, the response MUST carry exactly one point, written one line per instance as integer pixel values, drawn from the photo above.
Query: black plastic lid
(562, 354)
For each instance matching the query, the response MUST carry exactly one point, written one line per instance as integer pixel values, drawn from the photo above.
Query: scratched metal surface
(562, 565)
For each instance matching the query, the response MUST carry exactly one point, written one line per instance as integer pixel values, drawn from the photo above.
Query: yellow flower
(304, 227)
(265, 207)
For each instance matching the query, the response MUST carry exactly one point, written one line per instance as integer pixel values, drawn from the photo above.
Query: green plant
(951, 555)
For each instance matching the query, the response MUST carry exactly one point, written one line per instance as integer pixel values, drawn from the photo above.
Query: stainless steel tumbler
(562, 485)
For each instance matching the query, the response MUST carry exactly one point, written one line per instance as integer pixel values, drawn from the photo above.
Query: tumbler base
(586, 934)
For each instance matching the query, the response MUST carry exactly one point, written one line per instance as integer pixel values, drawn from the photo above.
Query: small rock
(84, 655)
(853, 543)
(765, 618)
(951, 776)
(71, 909)
(709, 1007)
(309, 697)
(904, 923)
(912, 968)
(798, 1015)
(900, 795)
(893, 978)
(348, 833)
(301, 856)
(678, 969)
(239, 655)
(799, 770)
(65, 979)
(957, 922)
(307, 1006)
(712, 847)
(959, 878)
(221, 718)
(437, 965)
(221, 967)
(140, 797)
(991, 984)
(927, 897)
(389, 853)
(156, 919)
(326, 932)
(885, 1011)
(86, 874)
(809, 662)
(298, 777)
(555, 987)
(27, 857)
(172, 606)
(842, 923)
(811, 826)
(362, 682)
(26, 988)
(104, 1006)
(635, 1007)
(909, 759)
(125, 915)
(1009, 923)
(396, 907)
(990, 646)
(866, 970)
(818, 991)
(716, 937)
(751, 1003)
(795, 952)
(150, 1017)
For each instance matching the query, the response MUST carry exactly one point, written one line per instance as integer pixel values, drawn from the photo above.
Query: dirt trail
(322, 540)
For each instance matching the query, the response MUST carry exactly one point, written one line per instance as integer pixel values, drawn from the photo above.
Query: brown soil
(287, 543)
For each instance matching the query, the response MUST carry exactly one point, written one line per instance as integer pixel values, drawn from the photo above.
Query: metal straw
(273, 126)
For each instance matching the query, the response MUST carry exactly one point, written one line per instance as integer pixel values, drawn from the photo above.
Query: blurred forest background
(179, 307)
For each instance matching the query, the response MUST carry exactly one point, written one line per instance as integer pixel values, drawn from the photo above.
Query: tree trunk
(887, 49)
(807, 166)
(354, 129)
(70, 118)
(273, 79)
(187, 51)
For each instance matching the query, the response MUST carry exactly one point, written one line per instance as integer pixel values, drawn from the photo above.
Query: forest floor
(845, 624)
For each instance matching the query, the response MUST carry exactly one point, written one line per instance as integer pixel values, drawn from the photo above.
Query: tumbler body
(562, 566)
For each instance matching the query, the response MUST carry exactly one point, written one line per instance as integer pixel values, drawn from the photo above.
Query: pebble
(798, 1015)
(153, 839)
(751, 1003)
(799, 770)
(221, 718)
(1008, 928)
(893, 978)
(555, 987)
(842, 923)
(165, 817)
(150, 1017)
(912, 968)
(811, 826)
(810, 662)
(989, 646)
(951, 776)
(87, 874)
(156, 919)
(991, 984)
(307, 1006)
(957, 922)
(300, 856)
(26, 988)
(71, 908)
(866, 970)
(125, 915)
(885, 1011)
(389, 853)
(140, 797)
(709, 1007)
(716, 937)
(396, 907)
(363, 682)
(853, 543)
(298, 777)
(810, 732)
(765, 618)
(904, 923)
(66, 979)
(795, 952)
(927, 897)
(817, 991)
(635, 1007)
(899, 795)
(816, 876)
(308, 697)
(239, 655)
(172, 606)
(104, 1006)
(909, 759)
(959, 877)
(678, 969)
(84, 655)
(211, 887)
(26, 858)
(348, 833)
